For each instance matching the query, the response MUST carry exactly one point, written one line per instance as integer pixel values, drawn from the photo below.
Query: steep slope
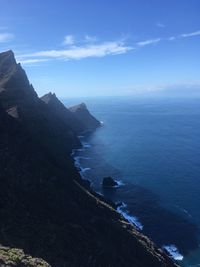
(19, 98)
(78, 117)
(44, 210)
(63, 113)
(82, 114)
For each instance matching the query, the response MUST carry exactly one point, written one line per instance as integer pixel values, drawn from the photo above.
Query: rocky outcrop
(44, 209)
(109, 182)
(82, 114)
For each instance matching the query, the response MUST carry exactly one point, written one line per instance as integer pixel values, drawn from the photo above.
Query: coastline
(120, 207)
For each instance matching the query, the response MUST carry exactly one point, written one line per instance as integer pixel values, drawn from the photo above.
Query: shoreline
(120, 207)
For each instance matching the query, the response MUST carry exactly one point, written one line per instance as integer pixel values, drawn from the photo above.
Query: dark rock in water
(82, 114)
(44, 208)
(109, 182)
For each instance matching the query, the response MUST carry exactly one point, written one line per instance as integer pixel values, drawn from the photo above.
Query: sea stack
(109, 182)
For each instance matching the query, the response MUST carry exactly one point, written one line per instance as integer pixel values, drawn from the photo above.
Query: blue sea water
(152, 146)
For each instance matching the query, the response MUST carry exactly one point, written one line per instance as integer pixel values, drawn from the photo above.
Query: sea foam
(132, 219)
(86, 145)
(173, 252)
(119, 183)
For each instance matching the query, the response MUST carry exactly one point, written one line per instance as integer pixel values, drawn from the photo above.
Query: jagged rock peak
(8, 55)
(14, 84)
(78, 107)
(82, 113)
(7, 63)
(49, 97)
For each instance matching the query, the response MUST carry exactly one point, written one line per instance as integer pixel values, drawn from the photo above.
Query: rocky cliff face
(78, 123)
(83, 115)
(44, 209)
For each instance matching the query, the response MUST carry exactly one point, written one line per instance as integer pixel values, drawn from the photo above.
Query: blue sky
(104, 47)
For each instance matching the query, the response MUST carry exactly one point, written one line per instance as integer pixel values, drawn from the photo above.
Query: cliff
(44, 209)
(82, 114)
(82, 122)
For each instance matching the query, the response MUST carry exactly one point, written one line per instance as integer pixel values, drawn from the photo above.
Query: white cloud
(160, 25)
(185, 35)
(31, 61)
(172, 38)
(80, 52)
(6, 37)
(178, 87)
(89, 47)
(149, 42)
(69, 40)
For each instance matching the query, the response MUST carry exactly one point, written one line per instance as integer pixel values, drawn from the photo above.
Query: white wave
(132, 219)
(183, 210)
(73, 152)
(119, 183)
(85, 169)
(173, 252)
(77, 162)
(98, 192)
(78, 158)
(85, 158)
(86, 145)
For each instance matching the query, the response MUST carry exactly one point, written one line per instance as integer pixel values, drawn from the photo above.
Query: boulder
(109, 182)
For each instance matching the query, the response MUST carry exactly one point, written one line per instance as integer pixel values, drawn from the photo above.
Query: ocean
(151, 146)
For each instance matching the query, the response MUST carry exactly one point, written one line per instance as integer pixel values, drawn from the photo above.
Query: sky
(104, 47)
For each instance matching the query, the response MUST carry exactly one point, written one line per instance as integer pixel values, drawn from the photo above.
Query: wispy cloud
(31, 61)
(191, 34)
(176, 87)
(80, 52)
(69, 40)
(89, 47)
(184, 35)
(6, 37)
(149, 42)
(160, 25)
(172, 38)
